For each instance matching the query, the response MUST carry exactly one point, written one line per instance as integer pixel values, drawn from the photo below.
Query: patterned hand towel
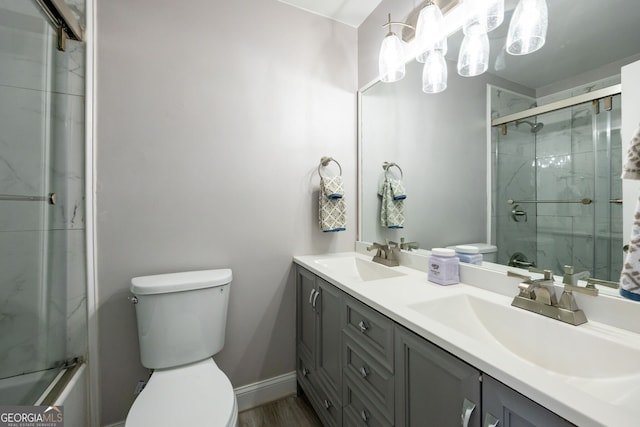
(332, 186)
(397, 189)
(332, 215)
(631, 168)
(391, 210)
(630, 276)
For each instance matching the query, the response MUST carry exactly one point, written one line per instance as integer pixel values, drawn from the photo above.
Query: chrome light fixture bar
(63, 19)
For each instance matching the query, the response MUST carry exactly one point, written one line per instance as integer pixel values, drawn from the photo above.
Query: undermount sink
(357, 269)
(573, 351)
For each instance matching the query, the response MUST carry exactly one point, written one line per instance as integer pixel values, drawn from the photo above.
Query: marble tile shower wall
(513, 156)
(557, 163)
(574, 160)
(43, 280)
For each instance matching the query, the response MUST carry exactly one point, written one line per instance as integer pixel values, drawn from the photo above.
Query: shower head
(535, 127)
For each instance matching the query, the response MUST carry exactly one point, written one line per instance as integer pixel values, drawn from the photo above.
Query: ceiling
(350, 12)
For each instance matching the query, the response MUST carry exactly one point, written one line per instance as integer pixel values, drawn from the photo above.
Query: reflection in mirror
(460, 173)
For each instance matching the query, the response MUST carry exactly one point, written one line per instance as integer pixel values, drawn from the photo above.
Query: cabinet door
(306, 314)
(329, 348)
(505, 407)
(432, 386)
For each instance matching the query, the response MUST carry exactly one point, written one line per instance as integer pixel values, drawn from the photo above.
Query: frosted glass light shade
(473, 59)
(434, 72)
(391, 60)
(430, 29)
(482, 16)
(442, 46)
(528, 27)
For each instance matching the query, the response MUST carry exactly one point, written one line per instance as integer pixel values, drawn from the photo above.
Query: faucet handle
(588, 290)
(571, 278)
(591, 282)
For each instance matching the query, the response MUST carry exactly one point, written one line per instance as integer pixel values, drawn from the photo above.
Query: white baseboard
(256, 394)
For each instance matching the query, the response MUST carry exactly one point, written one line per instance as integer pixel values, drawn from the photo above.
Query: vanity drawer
(326, 404)
(371, 330)
(358, 409)
(377, 382)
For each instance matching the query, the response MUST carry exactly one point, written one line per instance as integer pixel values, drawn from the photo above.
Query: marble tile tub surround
(43, 100)
(557, 163)
(570, 397)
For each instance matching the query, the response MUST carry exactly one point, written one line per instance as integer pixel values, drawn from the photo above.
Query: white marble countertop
(584, 401)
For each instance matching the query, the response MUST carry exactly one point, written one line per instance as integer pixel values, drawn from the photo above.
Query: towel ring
(324, 161)
(387, 165)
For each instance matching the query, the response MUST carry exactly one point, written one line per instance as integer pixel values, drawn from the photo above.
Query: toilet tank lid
(178, 282)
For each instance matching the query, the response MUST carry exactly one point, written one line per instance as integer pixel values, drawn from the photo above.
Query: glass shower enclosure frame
(42, 226)
(556, 187)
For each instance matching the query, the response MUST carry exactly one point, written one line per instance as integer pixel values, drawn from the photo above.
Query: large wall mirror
(544, 189)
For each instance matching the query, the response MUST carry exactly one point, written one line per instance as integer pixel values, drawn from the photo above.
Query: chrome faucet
(539, 296)
(408, 245)
(386, 254)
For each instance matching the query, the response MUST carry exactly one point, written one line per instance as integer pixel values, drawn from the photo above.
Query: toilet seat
(198, 394)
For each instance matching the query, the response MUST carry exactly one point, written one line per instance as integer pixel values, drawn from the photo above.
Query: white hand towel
(332, 215)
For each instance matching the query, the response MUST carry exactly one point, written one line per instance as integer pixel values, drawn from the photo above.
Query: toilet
(489, 252)
(181, 325)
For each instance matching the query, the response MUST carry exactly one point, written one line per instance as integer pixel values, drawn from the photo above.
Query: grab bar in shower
(585, 201)
(51, 198)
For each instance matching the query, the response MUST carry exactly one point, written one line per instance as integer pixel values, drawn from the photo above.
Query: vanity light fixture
(473, 59)
(527, 33)
(434, 73)
(482, 16)
(392, 57)
(528, 27)
(430, 31)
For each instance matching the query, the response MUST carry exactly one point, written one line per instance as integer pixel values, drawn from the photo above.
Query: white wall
(211, 120)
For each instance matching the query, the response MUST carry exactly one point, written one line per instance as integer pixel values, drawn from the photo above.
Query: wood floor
(292, 411)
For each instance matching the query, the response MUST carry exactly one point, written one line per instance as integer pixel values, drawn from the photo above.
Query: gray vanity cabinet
(359, 368)
(318, 340)
(505, 407)
(433, 386)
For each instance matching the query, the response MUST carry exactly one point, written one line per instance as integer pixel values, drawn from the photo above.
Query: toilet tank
(181, 316)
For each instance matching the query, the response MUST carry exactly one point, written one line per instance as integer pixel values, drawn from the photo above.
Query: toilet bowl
(198, 394)
(181, 323)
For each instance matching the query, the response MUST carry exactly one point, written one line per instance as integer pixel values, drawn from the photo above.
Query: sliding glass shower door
(557, 185)
(42, 274)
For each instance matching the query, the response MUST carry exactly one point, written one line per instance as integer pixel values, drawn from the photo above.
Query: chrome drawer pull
(305, 372)
(364, 372)
(327, 404)
(315, 298)
(363, 326)
(491, 421)
(313, 291)
(364, 416)
(467, 410)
